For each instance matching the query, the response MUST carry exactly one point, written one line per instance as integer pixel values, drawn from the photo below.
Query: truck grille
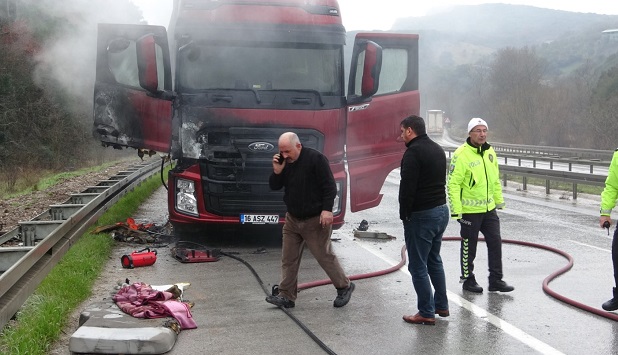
(239, 183)
(231, 198)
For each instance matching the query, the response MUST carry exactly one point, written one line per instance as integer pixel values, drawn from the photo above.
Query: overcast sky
(380, 14)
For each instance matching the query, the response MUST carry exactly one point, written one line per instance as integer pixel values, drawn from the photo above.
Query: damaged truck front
(236, 76)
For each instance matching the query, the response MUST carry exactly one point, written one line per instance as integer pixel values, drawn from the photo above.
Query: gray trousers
(297, 234)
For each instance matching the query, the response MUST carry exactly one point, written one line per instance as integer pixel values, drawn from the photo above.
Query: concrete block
(106, 329)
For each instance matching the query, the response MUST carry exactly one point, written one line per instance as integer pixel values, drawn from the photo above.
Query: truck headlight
(185, 197)
(337, 204)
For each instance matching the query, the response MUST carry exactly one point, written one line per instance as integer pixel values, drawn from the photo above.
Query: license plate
(259, 218)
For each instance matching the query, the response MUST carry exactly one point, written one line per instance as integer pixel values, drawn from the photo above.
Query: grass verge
(40, 321)
(558, 185)
(38, 180)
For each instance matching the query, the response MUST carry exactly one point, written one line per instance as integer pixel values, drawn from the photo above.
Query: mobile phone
(281, 158)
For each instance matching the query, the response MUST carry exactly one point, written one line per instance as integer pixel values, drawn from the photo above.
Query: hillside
(541, 76)
(466, 34)
(499, 25)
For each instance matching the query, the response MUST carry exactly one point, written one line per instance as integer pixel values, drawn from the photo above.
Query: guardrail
(49, 236)
(552, 175)
(554, 152)
(549, 174)
(569, 154)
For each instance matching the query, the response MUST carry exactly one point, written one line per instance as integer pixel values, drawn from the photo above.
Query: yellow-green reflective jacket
(610, 192)
(474, 180)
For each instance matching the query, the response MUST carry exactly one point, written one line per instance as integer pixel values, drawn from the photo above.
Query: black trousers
(489, 224)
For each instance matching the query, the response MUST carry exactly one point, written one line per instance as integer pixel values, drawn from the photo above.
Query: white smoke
(67, 61)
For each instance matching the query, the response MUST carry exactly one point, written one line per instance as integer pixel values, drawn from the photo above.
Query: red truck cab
(234, 77)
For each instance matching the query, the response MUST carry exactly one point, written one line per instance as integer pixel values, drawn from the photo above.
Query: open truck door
(382, 91)
(132, 93)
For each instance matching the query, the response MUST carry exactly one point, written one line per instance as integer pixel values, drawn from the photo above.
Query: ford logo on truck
(261, 147)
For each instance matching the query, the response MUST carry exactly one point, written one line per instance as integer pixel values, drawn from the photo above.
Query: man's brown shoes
(443, 312)
(418, 319)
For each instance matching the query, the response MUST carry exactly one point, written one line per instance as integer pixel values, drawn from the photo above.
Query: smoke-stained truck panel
(125, 114)
(244, 73)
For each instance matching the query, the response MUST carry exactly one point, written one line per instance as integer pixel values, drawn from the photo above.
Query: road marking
(499, 323)
(505, 326)
(590, 246)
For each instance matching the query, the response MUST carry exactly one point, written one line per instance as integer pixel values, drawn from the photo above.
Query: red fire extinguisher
(143, 257)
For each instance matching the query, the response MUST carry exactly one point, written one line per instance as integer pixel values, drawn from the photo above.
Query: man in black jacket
(425, 215)
(309, 195)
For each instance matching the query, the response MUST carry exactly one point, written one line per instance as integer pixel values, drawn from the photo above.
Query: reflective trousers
(489, 224)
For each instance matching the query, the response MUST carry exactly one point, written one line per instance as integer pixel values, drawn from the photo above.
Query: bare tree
(567, 109)
(516, 90)
(47, 54)
(604, 110)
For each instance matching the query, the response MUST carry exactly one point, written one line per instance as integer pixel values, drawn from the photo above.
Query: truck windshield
(202, 67)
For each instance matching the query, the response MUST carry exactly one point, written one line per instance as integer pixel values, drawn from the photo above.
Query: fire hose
(402, 262)
(546, 281)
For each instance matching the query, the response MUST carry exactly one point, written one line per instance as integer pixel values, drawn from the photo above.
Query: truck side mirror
(118, 45)
(371, 69)
(147, 63)
(364, 79)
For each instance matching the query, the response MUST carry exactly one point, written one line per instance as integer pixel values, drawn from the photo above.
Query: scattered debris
(186, 255)
(139, 258)
(200, 254)
(140, 300)
(364, 225)
(141, 152)
(362, 232)
(176, 289)
(132, 232)
(372, 235)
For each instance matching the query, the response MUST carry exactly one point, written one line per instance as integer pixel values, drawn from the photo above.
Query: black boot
(471, 285)
(612, 304)
(500, 286)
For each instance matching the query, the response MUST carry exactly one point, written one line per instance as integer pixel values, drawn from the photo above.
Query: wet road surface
(233, 317)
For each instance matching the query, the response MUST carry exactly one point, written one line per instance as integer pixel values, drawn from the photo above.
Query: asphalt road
(233, 317)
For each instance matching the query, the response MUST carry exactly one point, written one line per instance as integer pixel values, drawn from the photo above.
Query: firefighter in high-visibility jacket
(608, 201)
(474, 193)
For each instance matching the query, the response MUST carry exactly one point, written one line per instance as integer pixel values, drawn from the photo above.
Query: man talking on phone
(309, 196)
